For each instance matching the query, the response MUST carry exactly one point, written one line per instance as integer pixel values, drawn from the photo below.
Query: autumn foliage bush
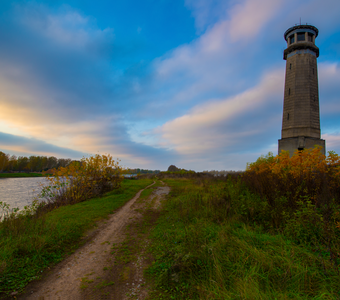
(82, 180)
(298, 196)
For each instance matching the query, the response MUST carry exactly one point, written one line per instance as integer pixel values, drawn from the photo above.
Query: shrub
(82, 180)
(302, 195)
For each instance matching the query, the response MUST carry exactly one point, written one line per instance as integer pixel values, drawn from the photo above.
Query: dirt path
(111, 264)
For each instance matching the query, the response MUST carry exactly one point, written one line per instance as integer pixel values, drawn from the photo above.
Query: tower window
(289, 91)
(301, 36)
(288, 116)
(292, 39)
(310, 37)
(290, 66)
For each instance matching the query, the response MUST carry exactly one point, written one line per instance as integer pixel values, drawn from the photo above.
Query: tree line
(141, 171)
(222, 172)
(12, 163)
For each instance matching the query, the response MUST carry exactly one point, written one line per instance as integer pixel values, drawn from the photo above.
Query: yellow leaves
(88, 177)
(303, 163)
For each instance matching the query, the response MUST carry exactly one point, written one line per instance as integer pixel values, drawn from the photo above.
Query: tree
(22, 163)
(62, 162)
(52, 162)
(33, 162)
(12, 163)
(173, 168)
(4, 158)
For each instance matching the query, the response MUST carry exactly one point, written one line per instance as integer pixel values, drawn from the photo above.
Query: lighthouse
(301, 116)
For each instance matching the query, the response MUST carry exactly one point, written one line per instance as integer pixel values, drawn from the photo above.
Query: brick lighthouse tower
(301, 117)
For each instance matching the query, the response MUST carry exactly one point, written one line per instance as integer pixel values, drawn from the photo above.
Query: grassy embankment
(258, 236)
(21, 175)
(30, 244)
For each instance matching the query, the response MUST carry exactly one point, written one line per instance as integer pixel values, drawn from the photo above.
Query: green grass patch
(31, 244)
(20, 175)
(205, 248)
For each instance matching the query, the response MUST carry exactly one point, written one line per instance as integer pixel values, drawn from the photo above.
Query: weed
(103, 284)
(218, 239)
(85, 282)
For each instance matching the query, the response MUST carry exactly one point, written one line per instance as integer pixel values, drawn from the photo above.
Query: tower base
(295, 143)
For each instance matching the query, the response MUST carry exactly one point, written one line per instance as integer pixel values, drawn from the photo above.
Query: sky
(194, 83)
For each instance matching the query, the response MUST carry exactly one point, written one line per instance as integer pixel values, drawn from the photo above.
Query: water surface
(18, 192)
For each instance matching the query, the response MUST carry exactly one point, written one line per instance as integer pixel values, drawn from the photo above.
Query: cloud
(332, 142)
(17, 144)
(321, 13)
(226, 59)
(249, 17)
(329, 91)
(231, 56)
(66, 26)
(72, 83)
(244, 18)
(59, 89)
(329, 78)
(207, 13)
(229, 125)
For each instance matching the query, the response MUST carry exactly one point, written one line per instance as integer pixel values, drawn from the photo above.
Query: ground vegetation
(35, 240)
(269, 233)
(41, 233)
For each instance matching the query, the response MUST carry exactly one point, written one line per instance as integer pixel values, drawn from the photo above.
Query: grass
(207, 247)
(20, 175)
(104, 284)
(215, 238)
(33, 243)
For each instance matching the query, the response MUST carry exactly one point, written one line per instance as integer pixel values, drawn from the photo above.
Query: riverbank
(32, 244)
(21, 175)
(241, 237)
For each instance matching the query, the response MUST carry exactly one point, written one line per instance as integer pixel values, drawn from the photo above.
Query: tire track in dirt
(91, 272)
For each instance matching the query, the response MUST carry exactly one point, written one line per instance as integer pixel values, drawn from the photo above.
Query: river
(18, 192)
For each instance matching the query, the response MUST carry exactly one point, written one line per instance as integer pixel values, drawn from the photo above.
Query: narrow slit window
(290, 66)
(288, 116)
(289, 91)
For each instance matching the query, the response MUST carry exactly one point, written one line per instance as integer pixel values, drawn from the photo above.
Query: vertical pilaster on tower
(301, 117)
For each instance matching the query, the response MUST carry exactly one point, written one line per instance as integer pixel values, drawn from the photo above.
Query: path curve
(64, 280)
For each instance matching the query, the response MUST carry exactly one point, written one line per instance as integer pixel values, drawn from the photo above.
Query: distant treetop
(173, 168)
